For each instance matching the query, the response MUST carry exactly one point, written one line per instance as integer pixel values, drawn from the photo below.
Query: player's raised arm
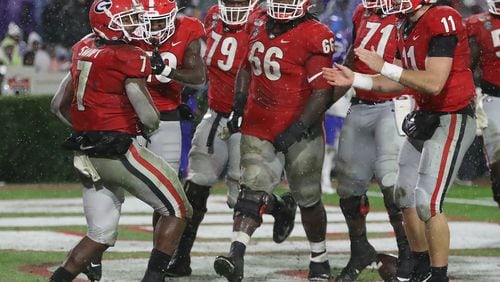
(193, 70)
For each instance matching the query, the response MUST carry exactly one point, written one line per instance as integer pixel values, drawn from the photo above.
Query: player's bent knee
(252, 204)
(423, 204)
(308, 197)
(389, 179)
(105, 236)
(197, 195)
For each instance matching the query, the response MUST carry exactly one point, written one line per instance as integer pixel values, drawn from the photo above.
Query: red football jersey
(99, 74)
(226, 49)
(459, 88)
(379, 32)
(486, 29)
(285, 69)
(166, 93)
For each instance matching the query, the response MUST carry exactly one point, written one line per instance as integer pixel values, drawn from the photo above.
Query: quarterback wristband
(362, 81)
(391, 71)
(166, 71)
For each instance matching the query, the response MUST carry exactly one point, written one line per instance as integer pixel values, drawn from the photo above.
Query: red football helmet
(160, 20)
(235, 12)
(494, 7)
(403, 6)
(116, 19)
(372, 4)
(287, 9)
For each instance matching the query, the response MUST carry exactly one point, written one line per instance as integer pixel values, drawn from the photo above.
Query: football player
(212, 152)
(369, 145)
(287, 98)
(484, 40)
(433, 59)
(174, 45)
(108, 105)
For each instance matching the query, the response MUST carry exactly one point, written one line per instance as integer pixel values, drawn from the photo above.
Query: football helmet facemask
(494, 7)
(372, 4)
(159, 18)
(287, 9)
(403, 6)
(117, 19)
(235, 12)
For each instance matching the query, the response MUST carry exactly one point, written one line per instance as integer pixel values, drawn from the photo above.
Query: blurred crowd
(40, 33)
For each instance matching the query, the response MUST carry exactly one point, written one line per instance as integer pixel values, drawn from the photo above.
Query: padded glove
(234, 121)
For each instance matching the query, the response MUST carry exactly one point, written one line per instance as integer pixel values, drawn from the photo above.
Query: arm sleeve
(321, 47)
(134, 63)
(442, 46)
(143, 105)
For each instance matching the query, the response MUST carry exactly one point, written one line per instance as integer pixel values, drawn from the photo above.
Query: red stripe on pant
(442, 167)
(163, 179)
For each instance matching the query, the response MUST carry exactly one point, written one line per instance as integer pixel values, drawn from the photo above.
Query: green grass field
(12, 262)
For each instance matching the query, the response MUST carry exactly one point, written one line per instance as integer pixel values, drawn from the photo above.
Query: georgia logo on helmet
(116, 19)
(287, 9)
(372, 4)
(235, 12)
(494, 7)
(160, 20)
(403, 6)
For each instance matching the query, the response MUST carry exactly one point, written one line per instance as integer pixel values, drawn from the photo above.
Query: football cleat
(284, 219)
(179, 266)
(319, 271)
(229, 267)
(356, 264)
(93, 270)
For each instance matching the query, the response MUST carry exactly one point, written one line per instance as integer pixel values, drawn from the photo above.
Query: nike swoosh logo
(284, 41)
(95, 264)
(176, 43)
(83, 148)
(416, 37)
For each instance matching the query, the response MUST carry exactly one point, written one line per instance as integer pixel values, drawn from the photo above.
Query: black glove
(287, 138)
(185, 112)
(234, 121)
(157, 63)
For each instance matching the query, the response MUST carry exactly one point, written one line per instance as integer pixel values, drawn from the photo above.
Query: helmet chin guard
(231, 12)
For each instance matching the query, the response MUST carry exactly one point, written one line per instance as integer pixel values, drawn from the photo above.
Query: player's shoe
(179, 266)
(319, 271)
(284, 219)
(93, 270)
(152, 276)
(229, 267)
(357, 263)
(429, 278)
(405, 266)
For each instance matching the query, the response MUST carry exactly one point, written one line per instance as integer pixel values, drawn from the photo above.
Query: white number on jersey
(84, 68)
(228, 49)
(445, 21)
(495, 35)
(409, 58)
(171, 62)
(328, 45)
(271, 68)
(372, 29)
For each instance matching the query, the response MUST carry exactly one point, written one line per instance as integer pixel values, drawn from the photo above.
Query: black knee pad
(355, 207)
(197, 195)
(393, 210)
(252, 204)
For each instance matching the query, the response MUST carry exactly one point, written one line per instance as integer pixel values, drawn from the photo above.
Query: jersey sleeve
(471, 26)
(213, 11)
(321, 47)
(356, 16)
(445, 21)
(133, 62)
(196, 30)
